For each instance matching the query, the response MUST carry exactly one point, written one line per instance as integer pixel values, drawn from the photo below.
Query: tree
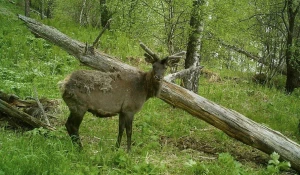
(171, 18)
(27, 8)
(42, 4)
(82, 13)
(191, 81)
(105, 14)
(292, 46)
(273, 26)
(49, 8)
(279, 33)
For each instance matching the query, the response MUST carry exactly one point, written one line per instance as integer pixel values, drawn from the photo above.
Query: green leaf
(284, 165)
(275, 156)
(190, 163)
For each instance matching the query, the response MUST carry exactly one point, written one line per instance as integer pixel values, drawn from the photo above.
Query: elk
(108, 94)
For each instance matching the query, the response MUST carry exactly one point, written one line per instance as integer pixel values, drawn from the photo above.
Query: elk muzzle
(158, 78)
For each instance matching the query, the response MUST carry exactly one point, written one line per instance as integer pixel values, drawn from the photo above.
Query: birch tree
(191, 82)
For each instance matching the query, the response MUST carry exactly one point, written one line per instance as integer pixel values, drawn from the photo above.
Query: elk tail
(62, 84)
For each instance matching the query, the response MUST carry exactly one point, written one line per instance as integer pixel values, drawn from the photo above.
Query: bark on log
(232, 123)
(22, 116)
(24, 113)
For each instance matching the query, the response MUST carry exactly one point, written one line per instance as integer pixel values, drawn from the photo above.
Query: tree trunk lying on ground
(27, 118)
(232, 123)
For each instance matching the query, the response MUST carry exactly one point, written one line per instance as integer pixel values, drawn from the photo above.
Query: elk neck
(152, 86)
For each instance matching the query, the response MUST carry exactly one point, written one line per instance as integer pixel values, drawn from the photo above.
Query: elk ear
(165, 61)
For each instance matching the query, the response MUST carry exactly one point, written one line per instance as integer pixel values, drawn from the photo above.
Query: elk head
(159, 67)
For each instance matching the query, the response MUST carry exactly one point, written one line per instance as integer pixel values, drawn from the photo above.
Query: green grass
(264, 105)
(166, 140)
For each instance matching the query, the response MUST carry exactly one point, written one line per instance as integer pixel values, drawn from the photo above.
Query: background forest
(249, 50)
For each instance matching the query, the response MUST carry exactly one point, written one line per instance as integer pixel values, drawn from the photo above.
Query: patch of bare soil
(212, 147)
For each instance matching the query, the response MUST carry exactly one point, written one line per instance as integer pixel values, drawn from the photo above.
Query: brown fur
(109, 94)
(106, 93)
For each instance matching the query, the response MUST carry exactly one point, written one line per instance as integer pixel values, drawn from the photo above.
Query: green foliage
(26, 61)
(274, 165)
(225, 165)
(33, 155)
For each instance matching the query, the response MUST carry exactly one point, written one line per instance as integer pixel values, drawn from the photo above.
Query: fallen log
(232, 123)
(12, 111)
(23, 114)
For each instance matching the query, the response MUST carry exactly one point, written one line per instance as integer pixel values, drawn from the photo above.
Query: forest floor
(166, 140)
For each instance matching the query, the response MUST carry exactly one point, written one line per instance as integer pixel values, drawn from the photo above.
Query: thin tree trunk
(42, 9)
(191, 82)
(105, 14)
(49, 9)
(27, 8)
(292, 62)
(232, 123)
(81, 12)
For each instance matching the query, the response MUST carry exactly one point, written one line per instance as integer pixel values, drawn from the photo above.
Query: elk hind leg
(128, 126)
(72, 125)
(121, 129)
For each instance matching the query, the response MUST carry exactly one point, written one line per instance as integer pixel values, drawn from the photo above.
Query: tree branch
(44, 116)
(182, 73)
(95, 43)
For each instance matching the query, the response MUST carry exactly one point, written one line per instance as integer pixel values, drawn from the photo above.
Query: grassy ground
(166, 140)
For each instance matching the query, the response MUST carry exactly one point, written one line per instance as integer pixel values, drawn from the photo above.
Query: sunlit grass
(28, 62)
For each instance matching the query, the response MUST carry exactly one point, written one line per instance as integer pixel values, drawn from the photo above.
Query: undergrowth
(166, 140)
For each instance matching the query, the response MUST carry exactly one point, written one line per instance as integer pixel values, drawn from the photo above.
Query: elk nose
(157, 77)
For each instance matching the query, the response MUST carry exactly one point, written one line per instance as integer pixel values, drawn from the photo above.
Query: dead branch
(44, 116)
(182, 73)
(95, 43)
(22, 116)
(24, 113)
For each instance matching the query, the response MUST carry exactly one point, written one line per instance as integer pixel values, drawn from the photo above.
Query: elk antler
(150, 56)
(175, 58)
(182, 53)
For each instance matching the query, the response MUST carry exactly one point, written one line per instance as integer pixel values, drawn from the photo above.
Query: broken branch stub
(44, 116)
